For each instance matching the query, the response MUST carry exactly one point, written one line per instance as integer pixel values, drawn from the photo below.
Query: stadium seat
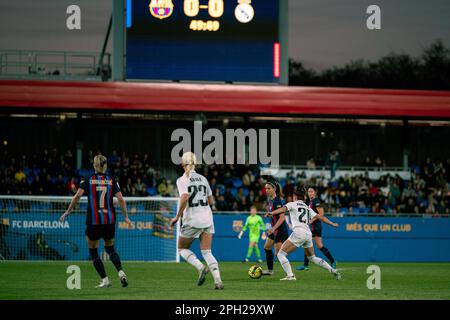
(237, 183)
(152, 191)
(233, 192)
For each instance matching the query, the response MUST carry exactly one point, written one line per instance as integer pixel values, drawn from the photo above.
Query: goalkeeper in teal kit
(256, 224)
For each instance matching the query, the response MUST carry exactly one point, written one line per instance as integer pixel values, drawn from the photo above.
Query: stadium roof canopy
(30, 95)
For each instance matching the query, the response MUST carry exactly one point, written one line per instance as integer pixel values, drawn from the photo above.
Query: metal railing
(354, 215)
(61, 65)
(343, 168)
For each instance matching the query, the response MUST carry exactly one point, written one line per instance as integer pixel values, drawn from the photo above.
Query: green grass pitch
(174, 281)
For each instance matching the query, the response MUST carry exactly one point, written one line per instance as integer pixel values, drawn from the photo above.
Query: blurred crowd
(54, 173)
(237, 187)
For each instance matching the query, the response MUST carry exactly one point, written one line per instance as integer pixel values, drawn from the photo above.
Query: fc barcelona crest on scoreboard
(161, 9)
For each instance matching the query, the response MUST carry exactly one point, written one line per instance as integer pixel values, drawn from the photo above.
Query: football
(255, 272)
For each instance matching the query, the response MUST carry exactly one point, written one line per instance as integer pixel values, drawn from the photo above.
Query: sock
(98, 264)
(320, 262)
(258, 254)
(285, 263)
(269, 259)
(212, 265)
(306, 261)
(327, 254)
(249, 251)
(191, 258)
(114, 257)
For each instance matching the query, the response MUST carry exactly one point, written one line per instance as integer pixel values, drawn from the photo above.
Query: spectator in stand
(140, 187)
(334, 162)
(409, 207)
(379, 163)
(311, 164)
(367, 162)
(164, 188)
(288, 189)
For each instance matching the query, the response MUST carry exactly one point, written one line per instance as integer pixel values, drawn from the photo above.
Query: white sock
(212, 265)
(285, 263)
(191, 258)
(320, 262)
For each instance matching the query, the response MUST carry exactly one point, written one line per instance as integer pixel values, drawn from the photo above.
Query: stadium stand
(237, 187)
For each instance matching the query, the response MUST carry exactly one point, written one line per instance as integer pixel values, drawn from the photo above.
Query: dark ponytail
(278, 190)
(276, 185)
(301, 192)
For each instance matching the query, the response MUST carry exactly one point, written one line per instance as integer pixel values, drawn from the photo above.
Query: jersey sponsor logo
(101, 182)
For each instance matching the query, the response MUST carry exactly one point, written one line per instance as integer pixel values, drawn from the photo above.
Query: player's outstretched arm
(277, 211)
(325, 220)
(72, 204)
(123, 207)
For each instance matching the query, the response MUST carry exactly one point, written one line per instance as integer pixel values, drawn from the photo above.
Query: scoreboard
(203, 40)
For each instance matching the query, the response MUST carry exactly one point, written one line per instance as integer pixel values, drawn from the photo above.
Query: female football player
(301, 216)
(101, 217)
(279, 232)
(255, 223)
(316, 229)
(197, 219)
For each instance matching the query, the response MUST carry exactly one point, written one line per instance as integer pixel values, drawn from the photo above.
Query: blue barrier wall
(40, 236)
(356, 239)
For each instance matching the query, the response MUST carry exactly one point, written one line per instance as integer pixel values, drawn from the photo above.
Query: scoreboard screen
(203, 40)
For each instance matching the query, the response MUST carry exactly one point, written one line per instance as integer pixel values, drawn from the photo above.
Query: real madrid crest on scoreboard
(203, 40)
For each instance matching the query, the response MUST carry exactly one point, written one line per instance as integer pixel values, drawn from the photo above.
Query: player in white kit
(197, 220)
(301, 215)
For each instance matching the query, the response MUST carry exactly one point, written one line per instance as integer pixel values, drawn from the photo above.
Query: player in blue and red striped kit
(100, 189)
(279, 232)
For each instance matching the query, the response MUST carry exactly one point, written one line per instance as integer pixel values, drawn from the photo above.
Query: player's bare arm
(277, 211)
(326, 220)
(211, 200)
(279, 222)
(73, 203)
(123, 207)
(183, 203)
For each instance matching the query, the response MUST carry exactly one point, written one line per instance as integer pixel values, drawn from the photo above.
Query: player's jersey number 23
(198, 196)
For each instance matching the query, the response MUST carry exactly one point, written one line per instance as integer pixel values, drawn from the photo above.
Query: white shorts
(191, 232)
(301, 238)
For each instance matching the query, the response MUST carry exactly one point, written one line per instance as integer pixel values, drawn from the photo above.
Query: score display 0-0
(163, 9)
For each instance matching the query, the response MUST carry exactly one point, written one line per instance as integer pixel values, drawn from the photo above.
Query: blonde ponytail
(100, 163)
(188, 160)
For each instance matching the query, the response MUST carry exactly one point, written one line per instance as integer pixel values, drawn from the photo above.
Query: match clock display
(203, 40)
